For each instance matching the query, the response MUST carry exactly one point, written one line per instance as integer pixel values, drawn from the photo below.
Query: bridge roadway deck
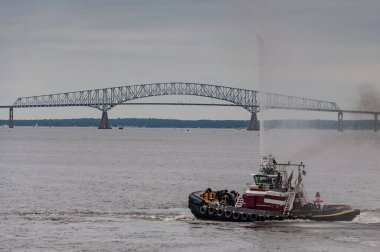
(359, 112)
(235, 105)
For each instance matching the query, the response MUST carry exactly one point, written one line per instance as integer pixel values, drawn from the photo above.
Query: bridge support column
(254, 123)
(104, 122)
(375, 122)
(340, 121)
(10, 125)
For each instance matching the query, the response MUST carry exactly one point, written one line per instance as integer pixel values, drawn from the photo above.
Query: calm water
(78, 189)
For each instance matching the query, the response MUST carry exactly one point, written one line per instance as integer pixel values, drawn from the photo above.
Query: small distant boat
(273, 195)
(120, 127)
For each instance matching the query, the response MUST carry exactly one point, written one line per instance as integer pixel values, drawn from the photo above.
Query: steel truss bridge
(107, 98)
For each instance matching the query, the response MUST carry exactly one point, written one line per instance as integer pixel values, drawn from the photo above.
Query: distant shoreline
(175, 123)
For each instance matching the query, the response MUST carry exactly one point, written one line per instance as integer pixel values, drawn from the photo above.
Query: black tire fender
(203, 210)
(227, 214)
(211, 210)
(262, 218)
(244, 216)
(253, 217)
(236, 215)
(219, 212)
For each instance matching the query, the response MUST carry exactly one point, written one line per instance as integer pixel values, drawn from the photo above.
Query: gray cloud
(369, 98)
(319, 49)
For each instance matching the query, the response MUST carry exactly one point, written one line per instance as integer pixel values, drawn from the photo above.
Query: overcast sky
(325, 49)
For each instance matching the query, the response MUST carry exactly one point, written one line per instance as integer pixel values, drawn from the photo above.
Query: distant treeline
(172, 123)
(133, 122)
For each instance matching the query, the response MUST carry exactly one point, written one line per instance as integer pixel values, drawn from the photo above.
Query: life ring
(211, 210)
(244, 216)
(253, 217)
(236, 215)
(219, 212)
(203, 210)
(227, 214)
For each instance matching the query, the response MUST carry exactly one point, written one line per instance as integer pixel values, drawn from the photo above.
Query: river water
(83, 189)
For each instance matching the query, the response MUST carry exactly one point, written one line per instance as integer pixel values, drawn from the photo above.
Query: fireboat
(272, 195)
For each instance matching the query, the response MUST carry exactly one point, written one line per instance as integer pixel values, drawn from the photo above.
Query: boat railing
(282, 166)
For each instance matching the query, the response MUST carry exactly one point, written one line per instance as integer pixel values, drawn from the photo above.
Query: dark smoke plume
(369, 98)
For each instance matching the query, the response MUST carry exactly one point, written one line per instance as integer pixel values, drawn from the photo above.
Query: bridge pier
(254, 123)
(340, 121)
(104, 122)
(10, 125)
(375, 122)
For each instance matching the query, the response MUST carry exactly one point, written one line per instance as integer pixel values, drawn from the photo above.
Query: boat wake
(79, 216)
(70, 216)
(368, 217)
(161, 217)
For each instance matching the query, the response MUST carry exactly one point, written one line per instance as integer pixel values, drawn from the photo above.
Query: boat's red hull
(206, 210)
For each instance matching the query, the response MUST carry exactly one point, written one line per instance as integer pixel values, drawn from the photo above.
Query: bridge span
(107, 98)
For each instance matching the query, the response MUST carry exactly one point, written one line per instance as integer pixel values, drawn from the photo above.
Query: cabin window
(259, 179)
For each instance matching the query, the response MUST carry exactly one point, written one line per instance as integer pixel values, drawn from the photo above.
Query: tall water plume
(261, 66)
(263, 35)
